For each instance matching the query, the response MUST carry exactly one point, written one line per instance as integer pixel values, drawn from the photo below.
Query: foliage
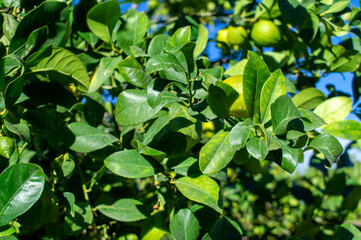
(102, 114)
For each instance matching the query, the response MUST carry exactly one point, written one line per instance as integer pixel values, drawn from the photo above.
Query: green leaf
(201, 40)
(290, 158)
(124, 210)
(101, 19)
(148, 151)
(62, 66)
(161, 62)
(6, 231)
(157, 43)
(94, 108)
(88, 138)
(45, 14)
(21, 129)
(255, 75)
(130, 164)
(310, 120)
(21, 186)
(133, 72)
(347, 231)
(70, 203)
(180, 120)
(347, 129)
(299, 139)
(328, 146)
(181, 36)
(82, 219)
(294, 12)
(200, 189)
(132, 107)
(184, 225)
(216, 154)
(336, 6)
(220, 98)
(334, 109)
(240, 134)
(9, 25)
(47, 94)
(105, 70)
(236, 69)
(136, 27)
(223, 229)
(63, 165)
(186, 166)
(283, 111)
(273, 88)
(257, 148)
(308, 98)
(2, 69)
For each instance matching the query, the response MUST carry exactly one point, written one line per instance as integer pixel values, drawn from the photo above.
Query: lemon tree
(119, 122)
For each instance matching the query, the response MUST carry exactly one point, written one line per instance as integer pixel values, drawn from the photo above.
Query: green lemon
(6, 146)
(236, 35)
(238, 108)
(222, 37)
(265, 33)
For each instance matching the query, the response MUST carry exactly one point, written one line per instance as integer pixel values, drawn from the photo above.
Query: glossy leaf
(311, 120)
(21, 129)
(157, 43)
(216, 154)
(130, 164)
(163, 61)
(334, 109)
(255, 75)
(45, 14)
(201, 40)
(184, 225)
(180, 37)
(102, 18)
(273, 88)
(347, 129)
(308, 98)
(257, 148)
(328, 146)
(221, 97)
(88, 138)
(124, 210)
(336, 6)
(136, 27)
(240, 134)
(64, 67)
(133, 72)
(132, 107)
(148, 151)
(9, 25)
(105, 70)
(27, 183)
(70, 203)
(290, 158)
(82, 219)
(200, 189)
(283, 111)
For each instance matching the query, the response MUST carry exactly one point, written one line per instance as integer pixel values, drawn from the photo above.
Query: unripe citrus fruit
(236, 35)
(222, 37)
(238, 108)
(265, 33)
